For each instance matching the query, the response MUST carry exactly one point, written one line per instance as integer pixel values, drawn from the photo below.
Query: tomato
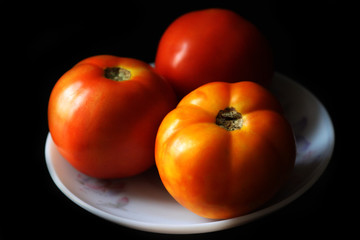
(104, 113)
(225, 149)
(212, 45)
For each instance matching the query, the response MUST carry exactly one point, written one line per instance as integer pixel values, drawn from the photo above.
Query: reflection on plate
(141, 202)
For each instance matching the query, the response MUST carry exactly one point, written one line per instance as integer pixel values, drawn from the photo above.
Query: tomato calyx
(117, 74)
(229, 119)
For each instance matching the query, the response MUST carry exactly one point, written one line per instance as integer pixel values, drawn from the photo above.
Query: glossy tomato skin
(217, 173)
(212, 45)
(107, 128)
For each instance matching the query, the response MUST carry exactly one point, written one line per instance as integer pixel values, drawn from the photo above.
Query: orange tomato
(225, 150)
(104, 113)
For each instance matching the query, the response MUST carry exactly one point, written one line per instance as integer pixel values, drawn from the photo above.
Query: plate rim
(207, 226)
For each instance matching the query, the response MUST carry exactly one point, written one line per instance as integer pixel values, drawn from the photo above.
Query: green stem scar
(117, 74)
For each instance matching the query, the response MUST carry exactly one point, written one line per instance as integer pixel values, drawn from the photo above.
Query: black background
(308, 42)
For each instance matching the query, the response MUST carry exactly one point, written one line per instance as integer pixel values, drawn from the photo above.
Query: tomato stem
(117, 74)
(229, 119)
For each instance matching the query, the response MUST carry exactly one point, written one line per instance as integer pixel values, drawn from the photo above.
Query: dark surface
(307, 42)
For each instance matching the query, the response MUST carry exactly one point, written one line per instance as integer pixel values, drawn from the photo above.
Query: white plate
(141, 202)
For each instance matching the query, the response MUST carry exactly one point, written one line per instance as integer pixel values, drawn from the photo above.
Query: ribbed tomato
(225, 149)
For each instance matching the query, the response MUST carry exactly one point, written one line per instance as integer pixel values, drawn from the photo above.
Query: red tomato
(225, 149)
(212, 45)
(104, 114)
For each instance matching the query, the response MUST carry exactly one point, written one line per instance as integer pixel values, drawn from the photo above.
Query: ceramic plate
(141, 202)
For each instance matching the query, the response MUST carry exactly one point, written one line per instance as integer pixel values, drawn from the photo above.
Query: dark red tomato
(212, 45)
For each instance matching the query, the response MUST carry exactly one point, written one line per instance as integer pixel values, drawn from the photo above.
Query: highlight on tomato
(225, 150)
(212, 45)
(104, 113)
